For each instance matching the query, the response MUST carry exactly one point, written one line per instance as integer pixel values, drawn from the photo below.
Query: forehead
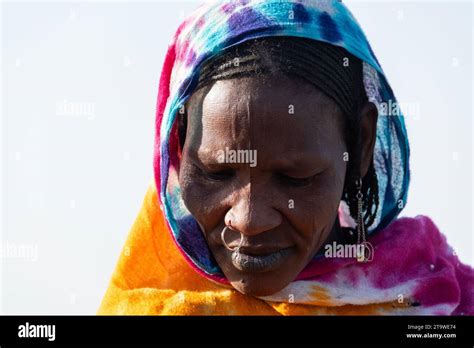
(276, 113)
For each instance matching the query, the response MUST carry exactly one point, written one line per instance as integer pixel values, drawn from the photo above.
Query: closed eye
(296, 182)
(216, 175)
(220, 175)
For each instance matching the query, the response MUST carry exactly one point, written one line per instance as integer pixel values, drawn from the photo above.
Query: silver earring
(361, 234)
(360, 215)
(225, 243)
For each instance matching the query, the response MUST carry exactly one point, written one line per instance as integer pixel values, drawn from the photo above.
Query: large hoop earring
(225, 243)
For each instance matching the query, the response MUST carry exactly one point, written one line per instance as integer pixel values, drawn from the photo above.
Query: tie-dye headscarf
(218, 25)
(414, 271)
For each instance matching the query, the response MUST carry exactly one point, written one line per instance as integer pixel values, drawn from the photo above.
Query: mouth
(246, 261)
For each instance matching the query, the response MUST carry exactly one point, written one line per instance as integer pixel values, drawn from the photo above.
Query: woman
(279, 176)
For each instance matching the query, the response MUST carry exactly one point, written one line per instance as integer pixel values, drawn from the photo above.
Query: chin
(257, 285)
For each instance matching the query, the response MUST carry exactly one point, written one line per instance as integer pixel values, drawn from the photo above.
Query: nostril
(252, 219)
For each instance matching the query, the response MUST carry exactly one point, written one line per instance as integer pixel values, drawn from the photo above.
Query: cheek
(205, 200)
(315, 208)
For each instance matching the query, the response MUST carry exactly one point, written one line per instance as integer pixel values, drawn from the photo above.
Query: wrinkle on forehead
(248, 114)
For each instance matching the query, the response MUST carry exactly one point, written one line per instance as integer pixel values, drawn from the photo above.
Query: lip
(259, 263)
(259, 250)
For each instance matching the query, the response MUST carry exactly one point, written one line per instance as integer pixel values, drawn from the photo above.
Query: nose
(252, 212)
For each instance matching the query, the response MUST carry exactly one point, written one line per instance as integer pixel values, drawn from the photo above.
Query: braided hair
(319, 64)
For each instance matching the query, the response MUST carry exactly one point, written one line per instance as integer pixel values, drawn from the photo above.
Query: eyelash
(296, 182)
(223, 175)
(217, 176)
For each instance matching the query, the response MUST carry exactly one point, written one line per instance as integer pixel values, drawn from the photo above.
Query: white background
(73, 182)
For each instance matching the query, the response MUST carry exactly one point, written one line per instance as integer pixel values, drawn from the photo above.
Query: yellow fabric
(153, 278)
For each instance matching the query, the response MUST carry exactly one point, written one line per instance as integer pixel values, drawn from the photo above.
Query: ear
(368, 133)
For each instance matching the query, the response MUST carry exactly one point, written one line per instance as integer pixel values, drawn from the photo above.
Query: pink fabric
(411, 258)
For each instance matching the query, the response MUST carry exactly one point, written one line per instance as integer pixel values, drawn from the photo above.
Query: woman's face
(282, 196)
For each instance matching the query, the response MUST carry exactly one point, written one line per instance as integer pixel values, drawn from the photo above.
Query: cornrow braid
(319, 64)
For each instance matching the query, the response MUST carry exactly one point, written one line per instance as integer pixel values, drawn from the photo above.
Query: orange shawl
(153, 278)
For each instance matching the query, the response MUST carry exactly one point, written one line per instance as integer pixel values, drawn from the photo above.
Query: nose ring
(225, 243)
